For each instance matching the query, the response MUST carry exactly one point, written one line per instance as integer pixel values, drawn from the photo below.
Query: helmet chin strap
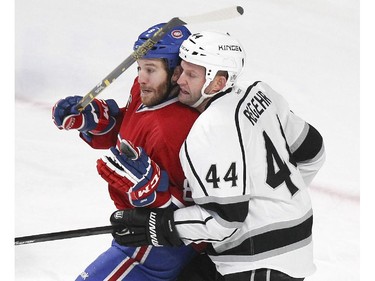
(199, 102)
(205, 96)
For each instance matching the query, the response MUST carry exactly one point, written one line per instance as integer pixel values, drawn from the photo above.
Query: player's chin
(148, 98)
(147, 95)
(184, 97)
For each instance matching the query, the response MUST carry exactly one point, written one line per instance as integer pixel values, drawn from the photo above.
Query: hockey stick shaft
(222, 14)
(137, 54)
(62, 235)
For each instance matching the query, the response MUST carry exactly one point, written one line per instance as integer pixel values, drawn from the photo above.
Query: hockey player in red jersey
(249, 161)
(155, 120)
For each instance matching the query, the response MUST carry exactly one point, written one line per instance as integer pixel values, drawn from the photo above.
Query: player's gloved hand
(130, 169)
(143, 226)
(96, 118)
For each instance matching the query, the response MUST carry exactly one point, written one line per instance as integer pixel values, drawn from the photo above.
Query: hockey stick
(62, 235)
(222, 14)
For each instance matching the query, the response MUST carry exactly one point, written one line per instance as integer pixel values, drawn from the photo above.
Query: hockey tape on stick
(222, 14)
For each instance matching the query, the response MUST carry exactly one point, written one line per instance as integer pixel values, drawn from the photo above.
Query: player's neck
(202, 107)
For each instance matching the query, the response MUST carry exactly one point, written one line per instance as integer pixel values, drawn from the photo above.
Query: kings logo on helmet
(230, 48)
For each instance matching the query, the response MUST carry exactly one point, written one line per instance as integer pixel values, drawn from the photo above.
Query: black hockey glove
(141, 226)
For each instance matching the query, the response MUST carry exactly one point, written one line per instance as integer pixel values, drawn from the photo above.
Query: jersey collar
(217, 96)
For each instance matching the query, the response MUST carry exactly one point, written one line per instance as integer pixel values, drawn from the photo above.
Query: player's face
(191, 82)
(152, 77)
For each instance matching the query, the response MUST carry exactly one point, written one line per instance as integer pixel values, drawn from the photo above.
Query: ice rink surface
(306, 50)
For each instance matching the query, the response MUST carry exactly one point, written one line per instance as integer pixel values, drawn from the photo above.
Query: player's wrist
(170, 234)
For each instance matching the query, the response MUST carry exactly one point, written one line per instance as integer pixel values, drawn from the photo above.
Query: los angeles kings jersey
(160, 130)
(248, 160)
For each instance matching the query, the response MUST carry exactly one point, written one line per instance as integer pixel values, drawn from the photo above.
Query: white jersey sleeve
(305, 142)
(247, 160)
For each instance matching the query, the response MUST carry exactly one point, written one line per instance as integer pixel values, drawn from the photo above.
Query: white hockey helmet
(214, 51)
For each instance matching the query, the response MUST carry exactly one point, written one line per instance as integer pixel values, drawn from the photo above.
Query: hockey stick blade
(62, 235)
(222, 14)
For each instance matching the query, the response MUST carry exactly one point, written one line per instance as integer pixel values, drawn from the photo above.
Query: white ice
(307, 50)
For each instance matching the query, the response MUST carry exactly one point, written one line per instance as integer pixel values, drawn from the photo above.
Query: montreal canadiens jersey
(160, 130)
(248, 161)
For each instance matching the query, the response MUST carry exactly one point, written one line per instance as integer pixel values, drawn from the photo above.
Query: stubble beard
(154, 96)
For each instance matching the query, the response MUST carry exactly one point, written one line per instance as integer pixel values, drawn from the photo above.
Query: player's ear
(222, 82)
(219, 83)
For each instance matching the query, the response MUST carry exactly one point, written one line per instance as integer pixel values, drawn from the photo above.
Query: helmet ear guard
(166, 48)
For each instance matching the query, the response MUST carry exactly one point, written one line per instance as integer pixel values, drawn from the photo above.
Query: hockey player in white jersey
(248, 160)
